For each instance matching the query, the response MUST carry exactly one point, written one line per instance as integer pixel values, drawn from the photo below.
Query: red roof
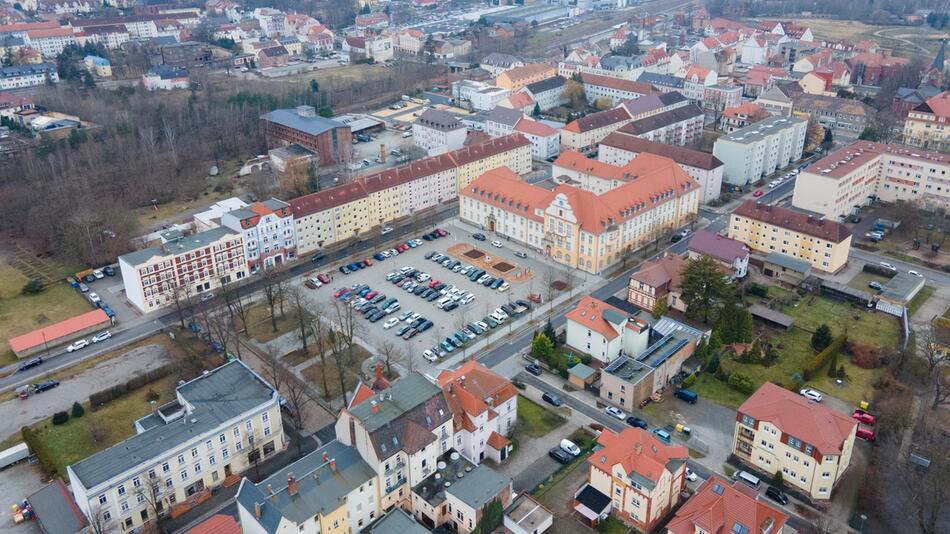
(808, 421)
(497, 441)
(794, 220)
(616, 83)
(718, 246)
(503, 188)
(60, 332)
(637, 451)
(598, 120)
(50, 32)
(532, 127)
(519, 100)
(326, 199)
(664, 273)
(362, 394)
(217, 524)
(719, 504)
(940, 104)
(589, 313)
(9, 100)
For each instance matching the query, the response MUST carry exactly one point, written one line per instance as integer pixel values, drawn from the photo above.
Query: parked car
(76, 345)
(551, 399)
(83, 288)
(94, 298)
(386, 230)
(757, 193)
(430, 356)
(206, 296)
(570, 447)
(662, 435)
(391, 322)
(865, 433)
(811, 394)
(637, 422)
(479, 237)
(690, 475)
(317, 257)
(521, 254)
(101, 336)
(496, 244)
(89, 279)
(863, 417)
(687, 395)
(560, 455)
(533, 368)
(108, 270)
(776, 495)
(45, 386)
(874, 284)
(616, 412)
(29, 364)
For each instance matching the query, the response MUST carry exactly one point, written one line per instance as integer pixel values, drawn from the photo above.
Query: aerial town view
(474, 267)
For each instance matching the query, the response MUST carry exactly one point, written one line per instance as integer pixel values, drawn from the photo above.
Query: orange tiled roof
(719, 504)
(533, 127)
(503, 188)
(519, 100)
(478, 380)
(58, 332)
(589, 313)
(497, 441)
(638, 451)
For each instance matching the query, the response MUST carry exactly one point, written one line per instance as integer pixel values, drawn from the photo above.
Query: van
(570, 447)
(750, 480)
(687, 395)
(663, 435)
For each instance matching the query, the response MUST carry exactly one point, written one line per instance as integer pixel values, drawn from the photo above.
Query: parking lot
(473, 303)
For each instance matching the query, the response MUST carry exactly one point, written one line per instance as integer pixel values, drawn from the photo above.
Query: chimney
(333, 464)
(291, 485)
(379, 371)
(258, 510)
(325, 457)
(821, 221)
(373, 407)
(638, 448)
(270, 489)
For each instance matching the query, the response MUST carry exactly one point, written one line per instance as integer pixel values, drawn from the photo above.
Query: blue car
(379, 256)
(428, 237)
(345, 295)
(355, 267)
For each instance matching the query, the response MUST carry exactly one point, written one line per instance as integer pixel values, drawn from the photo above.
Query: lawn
(20, 313)
(534, 420)
(95, 431)
(919, 299)
(150, 218)
(613, 526)
(314, 373)
(711, 388)
(259, 325)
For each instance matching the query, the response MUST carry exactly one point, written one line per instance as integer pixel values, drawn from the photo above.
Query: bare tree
(409, 358)
(182, 297)
(300, 308)
(390, 354)
(461, 321)
(926, 492)
(935, 356)
(150, 491)
(238, 304)
(221, 329)
(98, 523)
(569, 279)
(272, 368)
(547, 280)
(273, 293)
(342, 341)
(822, 524)
(321, 336)
(297, 398)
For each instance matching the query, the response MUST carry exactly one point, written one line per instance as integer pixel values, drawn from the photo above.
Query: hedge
(757, 290)
(819, 360)
(100, 398)
(689, 381)
(880, 270)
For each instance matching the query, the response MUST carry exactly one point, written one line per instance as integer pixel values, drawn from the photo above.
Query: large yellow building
(577, 227)
(928, 125)
(822, 243)
(811, 444)
(519, 77)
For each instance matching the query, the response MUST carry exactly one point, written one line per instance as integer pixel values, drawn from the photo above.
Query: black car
(417, 322)
(479, 237)
(108, 270)
(403, 330)
(560, 455)
(426, 292)
(429, 254)
(420, 290)
(317, 257)
(676, 238)
(433, 296)
(450, 306)
(425, 326)
(489, 281)
(45, 386)
(552, 399)
(89, 279)
(30, 364)
(439, 287)
(637, 422)
(533, 368)
(776, 495)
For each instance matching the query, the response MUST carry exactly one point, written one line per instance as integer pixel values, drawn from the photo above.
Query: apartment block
(604, 331)
(758, 150)
(547, 93)
(615, 90)
(676, 125)
(822, 243)
(19, 76)
(182, 267)
(576, 227)
(437, 130)
(518, 77)
(927, 125)
(778, 430)
(267, 230)
(839, 184)
(219, 424)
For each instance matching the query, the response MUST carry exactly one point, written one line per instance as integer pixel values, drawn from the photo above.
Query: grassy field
(149, 217)
(259, 324)
(534, 420)
(919, 299)
(903, 40)
(314, 373)
(95, 431)
(20, 313)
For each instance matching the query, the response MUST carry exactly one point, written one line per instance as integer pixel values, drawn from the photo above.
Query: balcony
(399, 465)
(746, 435)
(399, 482)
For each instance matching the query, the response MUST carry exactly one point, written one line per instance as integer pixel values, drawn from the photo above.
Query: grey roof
(762, 128)
(314, 125)
(24, 70)
(662, 120)
(438, 120)
(581, 371)
(768, 314)
(321, 489)
(56, 510)
(664, 80)
(248, 212)
(479, 487)
(167, 72)
(647, 103)
(290, 151)
(547, 84)
(902, 287)
(528, 513)
(179, 246)
(219, 396)
(397, 522)
(497, 59)
(667, 325)
(505, 115)
(788, 262)
(776, 94)
(613, 316)
(620, 62)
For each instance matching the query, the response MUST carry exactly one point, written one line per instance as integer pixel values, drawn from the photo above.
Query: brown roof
(617, 83)
(808, 421)
(408, 172)
(717, 246)
(598, 120)
(638, 451)
(794, 220)
(665, 272)
(488, 148)
(832, 104)
(326, 199)
(719, 504)
(533, 127)
(438, 120)
(589, 313)
(474, 389)
(531, 69)
(681, 155)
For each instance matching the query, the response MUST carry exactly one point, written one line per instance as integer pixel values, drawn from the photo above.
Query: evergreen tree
(821, 338)
(833, 366)
(704, 288)
(78, 410)
(549, 331)
(660, 308)
(537, 110)
(541, 347)
(492, 517)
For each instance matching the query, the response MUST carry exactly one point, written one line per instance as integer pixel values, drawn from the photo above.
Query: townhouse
(731, 254)
(166, 78)
(331, 215)
(757, 150)
(518, 77)
(738, 117)
(614, 90)
(436, 129)
(824, 244)
(619, 149)
(576, 227)
(219, 425)
(658, 280)
(409, 41)
(721, 505)
(181, 267)
(604, 331)
(640, 478)
(778, 430)
(496, 63)
(267, 231)
(839, 184)
(927, 125)
(11, 103)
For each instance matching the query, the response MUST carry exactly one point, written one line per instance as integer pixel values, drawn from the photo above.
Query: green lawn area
(534, 420)
(711, 388)
(613, 526)
(95, 431)
(20, 314)
(919, 299)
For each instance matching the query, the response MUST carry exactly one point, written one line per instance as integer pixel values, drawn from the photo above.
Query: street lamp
(863, 518)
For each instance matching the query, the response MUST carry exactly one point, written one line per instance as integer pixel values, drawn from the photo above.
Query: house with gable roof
(604, 331)
(721, 505)
(657, 279)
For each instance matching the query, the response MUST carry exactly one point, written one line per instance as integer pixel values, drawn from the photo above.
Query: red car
(402, 247)
(863, 417)
(433, 283)
(865, 433)
(338, 293)
(371, 294)
(367, 262)
(441, 232)
(758, 193)
(324, 278)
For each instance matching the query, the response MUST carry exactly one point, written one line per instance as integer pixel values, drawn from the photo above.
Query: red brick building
(332, 141)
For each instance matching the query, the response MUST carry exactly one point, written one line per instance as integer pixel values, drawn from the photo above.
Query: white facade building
(605, 332)
(437, 130)
(758, 150)
(267, 230)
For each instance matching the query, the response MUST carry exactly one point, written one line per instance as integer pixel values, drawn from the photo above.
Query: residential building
(677, 125)
(664, 83)
(547, 93)
(332, 215)
(870, 68)
(272, 56)
(211, 218)
(379, 48)
(758, 150)
(778, 430)
(482, 96)
(520, 101)
(604, 332)
(846, 117)
(720, 97)
(657, 280)
(267, 230)
(822, 243)
(760, 79)
(633, 378)
(51, 42)
(484, 408)
(182, 267)
(30, 75)
(459, 505)
(853, 176)
(518, 77)
(545, 141)
(99, 66)
(642, 477)
(166, 78)
(501, 121)
(331, 489)
(745, 114)
(927, 125)
(721, 505)
(512, 151)
(586, 132)
(397, 521)
(409, 41)
(273, 23)
(619, 149)
(375, 20)
(438, 131)
(497, 63)
(680, 126)
(329, 139)
(775, 102)
(576, 227)
(729, 253)
(526, 516)
(696, 81)
(219, 424)
(613, 90)
(11, 103)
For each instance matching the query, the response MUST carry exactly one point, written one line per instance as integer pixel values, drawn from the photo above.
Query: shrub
(879, 270)
(864, 355)
(33, 287)
(758, 290)
(713, 364)
(77, 410)
(742, 383)
(60, 418)
(689, 381)
(833, 366)
(818, 361)
(821, 338)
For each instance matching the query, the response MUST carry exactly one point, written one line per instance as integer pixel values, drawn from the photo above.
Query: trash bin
(864, 405)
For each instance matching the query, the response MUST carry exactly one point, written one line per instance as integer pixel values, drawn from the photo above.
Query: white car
(811, 394)
(386, 230)
(430, 356)
(496, 244)
(915, 273)
(98, 274)
(77, 345)
(570, 447)
(690, 475)
(101, 336)
(772, 184)
(466, 299)
(207, 295)
(888, 266)
(503, 287)
(94, 298)
(616, 412)
(390, 323)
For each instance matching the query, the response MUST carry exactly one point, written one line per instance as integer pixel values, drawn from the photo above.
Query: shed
(773, 318)
(902, 288)
(56, 511)
(785, 268)
(57, 334)
(527, 516)
(581, 375)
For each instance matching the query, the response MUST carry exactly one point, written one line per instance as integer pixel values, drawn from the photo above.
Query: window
(140, 498)
(121, 489)
(183, 474)
(211, 460)
(136, 482)
(208, 444)
(198, 468)
(194, 452)
(124, 506)
(249, 426)
(103, 499)
(748, 421)
(222, 438)
(238, 446)
(237, 432)
(225, 453)
(267, 430)
(169, 483)
(165, 467)
(265, 417)
(794, 443)
(107, 515)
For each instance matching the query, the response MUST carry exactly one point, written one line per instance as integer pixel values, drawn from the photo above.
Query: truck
(13, 455)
